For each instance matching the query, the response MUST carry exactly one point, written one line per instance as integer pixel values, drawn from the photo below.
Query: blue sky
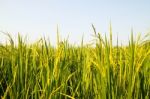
(38, 18)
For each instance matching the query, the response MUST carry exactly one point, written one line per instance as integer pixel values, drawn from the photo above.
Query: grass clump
(33, 71)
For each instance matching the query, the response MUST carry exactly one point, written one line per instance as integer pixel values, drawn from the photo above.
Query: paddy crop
(41, 71)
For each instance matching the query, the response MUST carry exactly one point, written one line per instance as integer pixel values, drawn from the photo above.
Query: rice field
(103, 71)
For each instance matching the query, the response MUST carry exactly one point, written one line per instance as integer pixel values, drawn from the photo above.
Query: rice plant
(42, 71)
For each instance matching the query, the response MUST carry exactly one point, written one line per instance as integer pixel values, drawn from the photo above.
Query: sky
(40, 18)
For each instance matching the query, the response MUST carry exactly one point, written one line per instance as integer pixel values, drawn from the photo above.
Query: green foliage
(33, 71)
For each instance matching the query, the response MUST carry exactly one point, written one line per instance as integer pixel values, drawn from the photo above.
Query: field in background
(33, 71)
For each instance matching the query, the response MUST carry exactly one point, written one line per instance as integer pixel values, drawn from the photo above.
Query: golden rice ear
(94, 29)
(11, 41)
